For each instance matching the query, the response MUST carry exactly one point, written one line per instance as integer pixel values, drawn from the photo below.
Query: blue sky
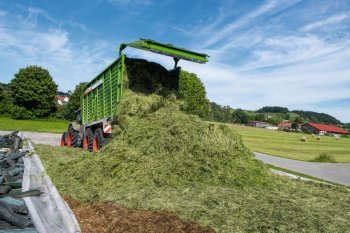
(291, 53)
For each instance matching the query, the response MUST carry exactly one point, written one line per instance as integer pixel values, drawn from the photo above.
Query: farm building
(62, 99)
(287, 124)
(260, 124)
(322, 129)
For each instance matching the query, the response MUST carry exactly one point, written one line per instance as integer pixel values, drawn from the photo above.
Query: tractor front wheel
(64, 139)
(99, 140)
(88, 139)
(72, 137)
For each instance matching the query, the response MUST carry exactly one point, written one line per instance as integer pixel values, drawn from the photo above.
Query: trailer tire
(64, 139)
(72, 137)
(99, 140)
(88, 139)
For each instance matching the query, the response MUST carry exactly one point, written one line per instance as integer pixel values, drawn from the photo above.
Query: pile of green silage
(162, 158)
(156, 144)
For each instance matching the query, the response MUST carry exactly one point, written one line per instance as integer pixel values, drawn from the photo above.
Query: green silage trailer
(99, 101)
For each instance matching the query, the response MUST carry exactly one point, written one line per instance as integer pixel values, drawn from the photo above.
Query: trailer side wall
(103, 93)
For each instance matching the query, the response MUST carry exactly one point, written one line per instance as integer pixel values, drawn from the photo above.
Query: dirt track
(106, 217)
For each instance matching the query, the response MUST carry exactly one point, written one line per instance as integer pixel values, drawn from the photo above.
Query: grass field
(52, 126)
(289, 145)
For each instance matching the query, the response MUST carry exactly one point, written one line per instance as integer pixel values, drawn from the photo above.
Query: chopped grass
(289, 145)
(323, 157)
(163, 159)
(49, 125)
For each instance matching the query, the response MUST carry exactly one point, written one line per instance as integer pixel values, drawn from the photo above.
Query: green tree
(5, 101)
(2, 93)
(260, 117)
(219, 113)
(240, 116)
(294, 125)
(34, 91)
(318, 117)
(274, 109)
(273, 121)
(314, 119)
(74, 100)
(192, 91)
(299, 120)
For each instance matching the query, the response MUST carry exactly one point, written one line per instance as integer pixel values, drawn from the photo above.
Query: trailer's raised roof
(166, 49)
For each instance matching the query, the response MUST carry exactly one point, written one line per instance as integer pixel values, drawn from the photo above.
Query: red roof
(62, 98)
(328, 128)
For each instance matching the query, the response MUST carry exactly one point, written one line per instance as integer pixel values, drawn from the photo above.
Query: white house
(61, 100)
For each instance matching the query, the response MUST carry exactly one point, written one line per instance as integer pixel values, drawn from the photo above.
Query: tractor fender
(75, 126)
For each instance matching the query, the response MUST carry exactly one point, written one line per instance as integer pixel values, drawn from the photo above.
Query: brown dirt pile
(106, 217)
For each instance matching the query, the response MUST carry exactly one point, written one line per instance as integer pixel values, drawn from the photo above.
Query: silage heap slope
(162, 159)
(160, 145)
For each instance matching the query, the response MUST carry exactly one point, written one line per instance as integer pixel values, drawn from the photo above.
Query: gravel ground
(51, 139)
(335, 172)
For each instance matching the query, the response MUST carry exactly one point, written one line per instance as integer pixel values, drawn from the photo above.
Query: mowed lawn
(50, 125)
(289, 145)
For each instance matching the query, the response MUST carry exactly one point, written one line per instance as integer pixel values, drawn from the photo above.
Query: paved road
(335, 172)
(41, 138)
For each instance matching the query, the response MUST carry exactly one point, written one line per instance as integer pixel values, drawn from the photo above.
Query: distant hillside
(274, 109)
(318, 117)
(272, 114)
(63, 93)
(4, 85)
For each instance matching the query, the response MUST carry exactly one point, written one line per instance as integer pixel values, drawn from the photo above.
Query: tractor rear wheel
(72, 137)
(88, 139)
(64, 139)
(99, 140)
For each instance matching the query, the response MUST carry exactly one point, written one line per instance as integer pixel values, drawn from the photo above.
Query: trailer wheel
(64, 139)
(72, 137)
(99, 140)
(88, 139)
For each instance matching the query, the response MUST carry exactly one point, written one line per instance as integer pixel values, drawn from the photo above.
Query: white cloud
(80, 26)
(283, 50)
(227, 30)
(331, 21)
(286, 66)
(27, 42)
(55, 40)
(130, 2)
(132, 7)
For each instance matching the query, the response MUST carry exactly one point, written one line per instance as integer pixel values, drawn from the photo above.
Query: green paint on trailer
(166, 49)
(104, 92)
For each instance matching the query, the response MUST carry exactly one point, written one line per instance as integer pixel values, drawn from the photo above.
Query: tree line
(277, 114)
(32, 94)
